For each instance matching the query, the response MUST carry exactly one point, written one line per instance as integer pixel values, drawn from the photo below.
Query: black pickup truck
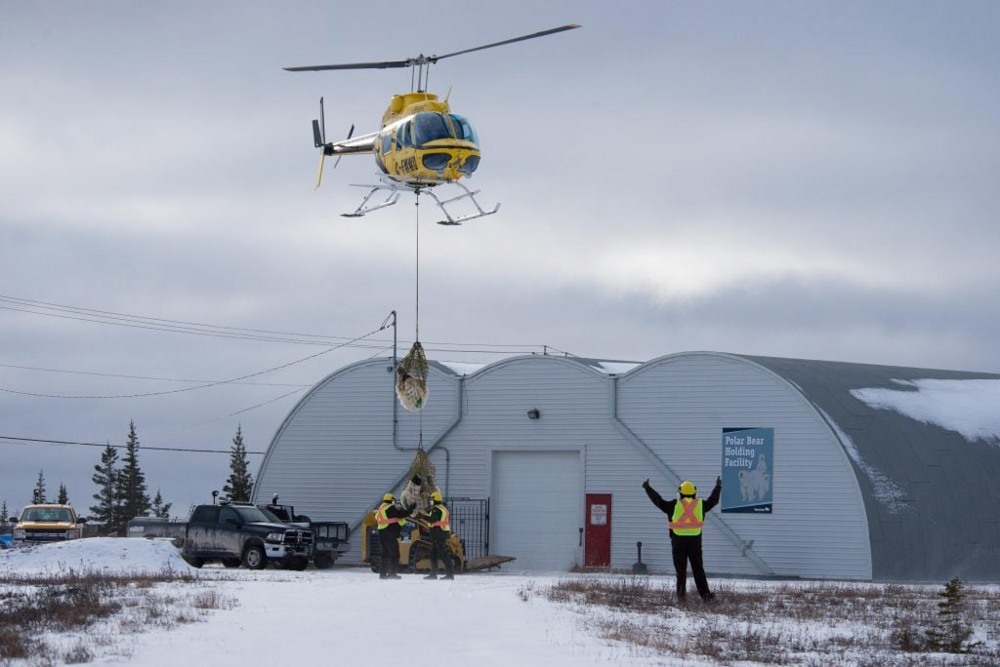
(244, 534)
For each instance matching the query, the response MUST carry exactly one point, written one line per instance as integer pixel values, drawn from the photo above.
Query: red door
(598, 549)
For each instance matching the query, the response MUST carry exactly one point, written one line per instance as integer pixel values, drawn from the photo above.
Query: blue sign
(747, 470)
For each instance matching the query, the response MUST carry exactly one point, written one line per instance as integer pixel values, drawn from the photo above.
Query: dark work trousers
(688, 548)
(389, 562)
(439, 549)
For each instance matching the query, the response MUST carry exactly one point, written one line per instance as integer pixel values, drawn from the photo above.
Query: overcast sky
(797, 179)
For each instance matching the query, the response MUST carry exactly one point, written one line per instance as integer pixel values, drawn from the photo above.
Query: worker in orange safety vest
(440, 530)
(687, 517)
(390, 519)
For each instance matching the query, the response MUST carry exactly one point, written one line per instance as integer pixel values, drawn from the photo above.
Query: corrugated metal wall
(679, 405)
(333, 456)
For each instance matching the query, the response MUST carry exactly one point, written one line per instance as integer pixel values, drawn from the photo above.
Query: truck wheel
(254, 557)
(298, 564)
(323, 561)
(231, 562)
(193, 562)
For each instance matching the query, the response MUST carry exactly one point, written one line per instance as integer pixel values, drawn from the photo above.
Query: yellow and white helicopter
(421, 143)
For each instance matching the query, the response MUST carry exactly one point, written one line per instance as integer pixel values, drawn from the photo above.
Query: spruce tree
(159, 508)
(38, 495)
(106, 511)
(952, 633)
(239, 486)
(4, 516)
(63, 498)
(135, 499)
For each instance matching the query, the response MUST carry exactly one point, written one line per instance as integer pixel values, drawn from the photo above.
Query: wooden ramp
(487, 563)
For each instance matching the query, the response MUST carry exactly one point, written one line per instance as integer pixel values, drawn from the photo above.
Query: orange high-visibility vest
(444, 523)
(384, 520)
(688, 517)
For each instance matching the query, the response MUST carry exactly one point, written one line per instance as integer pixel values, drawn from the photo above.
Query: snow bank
(108, 555)
(970, 407)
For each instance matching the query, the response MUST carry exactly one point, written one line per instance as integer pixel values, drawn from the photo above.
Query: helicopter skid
(393, 188)
(363, 208)
(467, 194)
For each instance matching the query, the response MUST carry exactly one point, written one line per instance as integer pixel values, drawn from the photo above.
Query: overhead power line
(200, 386)
(96, 316)
(15, 440)
(145, 377)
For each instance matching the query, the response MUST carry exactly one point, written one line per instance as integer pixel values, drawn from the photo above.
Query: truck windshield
(47, 514)
(255, 515)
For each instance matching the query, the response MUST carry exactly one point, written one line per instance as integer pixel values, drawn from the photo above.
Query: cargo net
(417, 493)
(411, 379)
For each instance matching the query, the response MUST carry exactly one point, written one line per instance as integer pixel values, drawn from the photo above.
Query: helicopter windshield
(464, 129)
(429, 126)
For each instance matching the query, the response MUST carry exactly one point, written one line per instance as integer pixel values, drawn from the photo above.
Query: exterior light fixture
(533, 413)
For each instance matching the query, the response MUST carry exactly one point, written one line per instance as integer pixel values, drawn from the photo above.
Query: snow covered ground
(349, 616)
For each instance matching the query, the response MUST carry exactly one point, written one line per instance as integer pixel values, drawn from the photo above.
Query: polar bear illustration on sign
(755, 484)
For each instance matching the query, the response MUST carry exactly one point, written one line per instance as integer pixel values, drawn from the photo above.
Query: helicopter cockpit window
(429, 126)
(464, 129)
(407, 135)
(386, 143)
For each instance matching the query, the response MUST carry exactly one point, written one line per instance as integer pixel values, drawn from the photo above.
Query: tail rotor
(319, 139)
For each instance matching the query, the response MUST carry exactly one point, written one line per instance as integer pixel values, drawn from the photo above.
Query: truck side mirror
(13, 519)
(82, 519)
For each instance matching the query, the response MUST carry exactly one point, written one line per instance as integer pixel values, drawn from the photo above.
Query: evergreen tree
(4, 517)
(952, 633)
(239, 486)
(38, 495)
(107, 510)
(63, 498)
(160, 509)
(135, 499)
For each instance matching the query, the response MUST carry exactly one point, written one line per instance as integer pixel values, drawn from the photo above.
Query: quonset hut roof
(925, 446)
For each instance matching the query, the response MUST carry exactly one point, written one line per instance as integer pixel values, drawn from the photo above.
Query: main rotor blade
(383, 65)
(569, 26)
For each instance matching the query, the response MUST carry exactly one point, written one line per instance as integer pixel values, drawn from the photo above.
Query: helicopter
(420, 145)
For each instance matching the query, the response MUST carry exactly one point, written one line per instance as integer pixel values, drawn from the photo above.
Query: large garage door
(536, 508)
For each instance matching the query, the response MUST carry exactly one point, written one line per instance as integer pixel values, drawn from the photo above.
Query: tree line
(122, 492)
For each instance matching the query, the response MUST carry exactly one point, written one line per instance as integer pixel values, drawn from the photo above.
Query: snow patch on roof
(970, 407)
(886, 491)
(616, 367)
(461, 368)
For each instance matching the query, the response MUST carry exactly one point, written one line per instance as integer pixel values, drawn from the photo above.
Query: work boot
(431, 576)
(395, 576)
(448, 576)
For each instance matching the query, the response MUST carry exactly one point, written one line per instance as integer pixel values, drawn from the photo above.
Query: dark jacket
(433, 516)
(394, 512)
(667, 506)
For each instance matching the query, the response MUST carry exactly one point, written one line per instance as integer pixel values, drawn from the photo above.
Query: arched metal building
(863, 472)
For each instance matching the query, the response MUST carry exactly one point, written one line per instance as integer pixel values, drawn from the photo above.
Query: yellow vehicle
(414, 549)
(421, 143)
(47, 523)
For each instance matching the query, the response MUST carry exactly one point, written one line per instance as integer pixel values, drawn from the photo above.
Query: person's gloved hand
(718, 480)
(645, 484)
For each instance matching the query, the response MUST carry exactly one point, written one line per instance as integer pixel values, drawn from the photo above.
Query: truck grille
(44, 535)
(303, 537)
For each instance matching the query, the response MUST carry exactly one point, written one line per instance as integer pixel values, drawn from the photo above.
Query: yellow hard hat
(388, 498)
(687, 488)
(436, 496)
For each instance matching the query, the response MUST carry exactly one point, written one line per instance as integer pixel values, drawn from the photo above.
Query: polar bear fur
(755, 484)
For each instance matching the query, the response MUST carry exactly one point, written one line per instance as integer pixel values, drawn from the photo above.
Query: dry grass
(52, 619)
(781, 624)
